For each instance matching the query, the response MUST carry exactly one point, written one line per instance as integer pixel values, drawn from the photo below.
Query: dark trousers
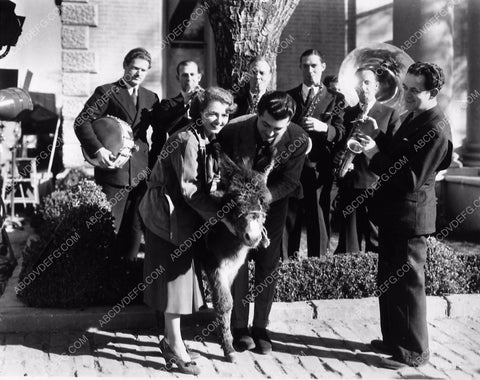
(401, 286)
(313, 211)
(266, 263)
(128, 225)
(356, 225)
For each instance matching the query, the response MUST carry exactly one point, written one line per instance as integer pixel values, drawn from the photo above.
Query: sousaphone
(390, 64)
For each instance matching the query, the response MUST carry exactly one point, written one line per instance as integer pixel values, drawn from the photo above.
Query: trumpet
(352, 148)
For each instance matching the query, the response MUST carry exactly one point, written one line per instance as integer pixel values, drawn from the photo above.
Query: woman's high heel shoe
(190, 368)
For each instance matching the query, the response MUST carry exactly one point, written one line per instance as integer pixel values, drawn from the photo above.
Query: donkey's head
(245, 191)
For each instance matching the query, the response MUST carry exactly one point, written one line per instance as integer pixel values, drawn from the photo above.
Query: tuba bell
(390, 65)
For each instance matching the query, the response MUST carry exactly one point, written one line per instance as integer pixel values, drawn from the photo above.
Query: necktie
(263, 156)
(309, 96)
(134, 96)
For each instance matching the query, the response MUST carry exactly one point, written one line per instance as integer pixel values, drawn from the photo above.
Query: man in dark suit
(259, 77)
(122, 182)
(407, 164)
(173, 114)
(356, 223)
(320, 113)
(256, 140)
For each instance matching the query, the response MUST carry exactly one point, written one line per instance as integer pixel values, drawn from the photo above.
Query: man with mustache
(122, 179)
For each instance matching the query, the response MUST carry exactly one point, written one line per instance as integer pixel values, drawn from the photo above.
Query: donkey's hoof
(231, 357)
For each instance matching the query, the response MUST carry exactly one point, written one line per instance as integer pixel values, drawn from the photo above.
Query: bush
(70, 263)
(354, 275)
(445, 271)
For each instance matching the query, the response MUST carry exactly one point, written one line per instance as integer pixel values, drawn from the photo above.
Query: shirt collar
(306, 89)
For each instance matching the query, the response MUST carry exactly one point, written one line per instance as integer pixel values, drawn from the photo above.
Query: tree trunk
(244, 29)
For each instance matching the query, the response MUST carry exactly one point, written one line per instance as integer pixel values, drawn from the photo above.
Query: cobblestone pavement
(302, 349)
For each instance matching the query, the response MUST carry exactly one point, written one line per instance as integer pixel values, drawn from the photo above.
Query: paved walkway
(313, 349)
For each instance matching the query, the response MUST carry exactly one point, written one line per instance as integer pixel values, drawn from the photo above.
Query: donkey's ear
(227, 166)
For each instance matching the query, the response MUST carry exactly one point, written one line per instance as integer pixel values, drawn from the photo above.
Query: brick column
(77, 64)
(471, 146)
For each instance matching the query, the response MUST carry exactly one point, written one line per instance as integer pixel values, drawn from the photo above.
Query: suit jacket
(171, 115)
(407, 163)
(329, 109)
(177, 200)
(239, 142)
(387, 119)
(244, 103)
(113, 99)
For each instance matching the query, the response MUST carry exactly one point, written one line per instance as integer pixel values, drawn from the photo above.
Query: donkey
(247, 190)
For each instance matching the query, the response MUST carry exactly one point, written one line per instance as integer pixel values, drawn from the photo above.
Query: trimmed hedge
(353, 275)
(87, 272)
(71, 263)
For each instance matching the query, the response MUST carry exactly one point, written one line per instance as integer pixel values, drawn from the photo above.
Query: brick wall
(96, 35)
(317, 24)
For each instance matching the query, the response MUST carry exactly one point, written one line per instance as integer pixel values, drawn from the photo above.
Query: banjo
(115, 135)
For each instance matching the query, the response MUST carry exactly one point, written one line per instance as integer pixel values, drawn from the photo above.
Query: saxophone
(252, 108)
(310, 108)
(352, 147)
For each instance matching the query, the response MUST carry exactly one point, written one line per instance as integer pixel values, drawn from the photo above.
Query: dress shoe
(263, 344)
(242, 340)
(391, 363)
(193, 354)
(381, 346)
(190, 368)
(395, 363)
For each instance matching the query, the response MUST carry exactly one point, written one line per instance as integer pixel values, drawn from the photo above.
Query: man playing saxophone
(368, 116)
(320, 113)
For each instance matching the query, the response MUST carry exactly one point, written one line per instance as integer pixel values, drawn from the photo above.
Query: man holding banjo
(112, 130)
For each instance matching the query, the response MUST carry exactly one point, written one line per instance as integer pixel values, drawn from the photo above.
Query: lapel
(297, 93)
(246, 140)
(375, 111)
(325, 99)
(123, 98)
(412, 126)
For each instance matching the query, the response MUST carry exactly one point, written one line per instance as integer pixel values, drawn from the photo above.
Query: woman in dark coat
(175, 206)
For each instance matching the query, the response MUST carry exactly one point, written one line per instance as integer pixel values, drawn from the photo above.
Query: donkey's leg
(223, 303)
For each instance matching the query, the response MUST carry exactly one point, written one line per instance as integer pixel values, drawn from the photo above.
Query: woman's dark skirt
(177, 289)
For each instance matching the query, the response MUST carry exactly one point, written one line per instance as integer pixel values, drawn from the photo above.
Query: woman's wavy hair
(203, 98)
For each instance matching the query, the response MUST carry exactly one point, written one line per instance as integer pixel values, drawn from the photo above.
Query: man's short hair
(433, 74)
(203, 98)
(278, 104)
(186, 63)
(138, 52)
(309, 52)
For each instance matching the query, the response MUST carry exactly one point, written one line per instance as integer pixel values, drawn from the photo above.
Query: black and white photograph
(257, 189)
